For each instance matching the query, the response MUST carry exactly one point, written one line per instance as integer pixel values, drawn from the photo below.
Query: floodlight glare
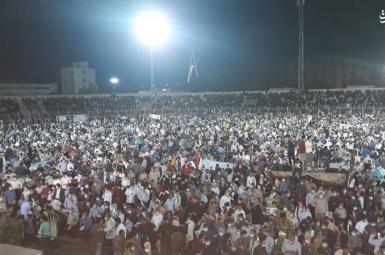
(153, 28)
(114, 80)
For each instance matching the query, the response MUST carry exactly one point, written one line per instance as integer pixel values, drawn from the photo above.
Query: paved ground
(17, 250)
(68, 246)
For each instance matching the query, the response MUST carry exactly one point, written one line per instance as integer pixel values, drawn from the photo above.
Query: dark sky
(235, 41)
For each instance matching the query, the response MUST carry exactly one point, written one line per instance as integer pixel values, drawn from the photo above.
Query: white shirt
(308, 146)
(144, 195)
(130, 194)
(251, 180)
(215, 190)
(125, 182)
(360, 226)
(107, 196)
(239, 212)
(109, 229)
(157, 219)
(310, 198)
(70, 166)
(224, 199)
(119, 228)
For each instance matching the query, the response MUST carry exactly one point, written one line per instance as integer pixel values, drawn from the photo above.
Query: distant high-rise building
(78, 78)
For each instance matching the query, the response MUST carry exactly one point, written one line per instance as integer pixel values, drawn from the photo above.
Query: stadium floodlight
(153, 29)
(114, 80)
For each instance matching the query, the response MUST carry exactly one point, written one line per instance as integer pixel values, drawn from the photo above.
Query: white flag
(193, 68)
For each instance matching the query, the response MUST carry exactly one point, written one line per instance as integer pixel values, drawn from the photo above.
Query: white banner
(211, 164)
(155, 116)
(80, 118)
(74, 118)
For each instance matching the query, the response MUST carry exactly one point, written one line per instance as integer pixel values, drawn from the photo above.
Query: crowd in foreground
(195, 183)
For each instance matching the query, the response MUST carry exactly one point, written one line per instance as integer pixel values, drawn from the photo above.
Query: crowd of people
(103, 105)
(81, 105)
(8, 108)
(197, 182)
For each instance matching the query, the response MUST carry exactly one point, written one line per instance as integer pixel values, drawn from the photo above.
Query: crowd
(81, 105)
(117, 104)
(8, 108)
(199, 182)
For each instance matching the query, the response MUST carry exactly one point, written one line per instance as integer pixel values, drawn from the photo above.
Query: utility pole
(301, 45)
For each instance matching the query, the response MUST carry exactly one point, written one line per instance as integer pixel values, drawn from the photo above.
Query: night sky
(236, 42)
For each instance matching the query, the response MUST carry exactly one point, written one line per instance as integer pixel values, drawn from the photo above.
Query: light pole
(301, 45)
(153, 29)
(152, 86)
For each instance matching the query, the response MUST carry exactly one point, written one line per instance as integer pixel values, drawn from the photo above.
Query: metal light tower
(301, 45)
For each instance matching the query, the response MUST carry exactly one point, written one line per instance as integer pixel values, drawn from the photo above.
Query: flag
(193, 68)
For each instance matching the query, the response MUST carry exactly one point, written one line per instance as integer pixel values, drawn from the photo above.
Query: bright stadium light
(153, 29)
(114, 80)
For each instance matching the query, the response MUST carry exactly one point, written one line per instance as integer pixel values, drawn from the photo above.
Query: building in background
(77, 79)
(27, 89)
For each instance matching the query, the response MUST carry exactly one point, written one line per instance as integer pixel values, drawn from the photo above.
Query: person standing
(44, 233)
(261, 248)
(301, 152)
(309, 152)
(119, 243)
(291, 151)
(96, 236)
(85, 226)
(109, 229)
(291, 246)
(166, 232)
(321, 206)
(10, 198)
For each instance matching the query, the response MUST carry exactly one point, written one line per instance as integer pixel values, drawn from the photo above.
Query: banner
(74, 118)
(80, 118)
(211, 164)
(155, 116)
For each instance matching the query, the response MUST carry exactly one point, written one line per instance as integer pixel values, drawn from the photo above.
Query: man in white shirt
(291, 246)
(119, 228)
(303, 213)
(251, 182)
(310, 199)
(130, 195)
(157, 219)
(107, 195)
(144, 195)
(226, 198)
(109, 227)
(360, 225)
